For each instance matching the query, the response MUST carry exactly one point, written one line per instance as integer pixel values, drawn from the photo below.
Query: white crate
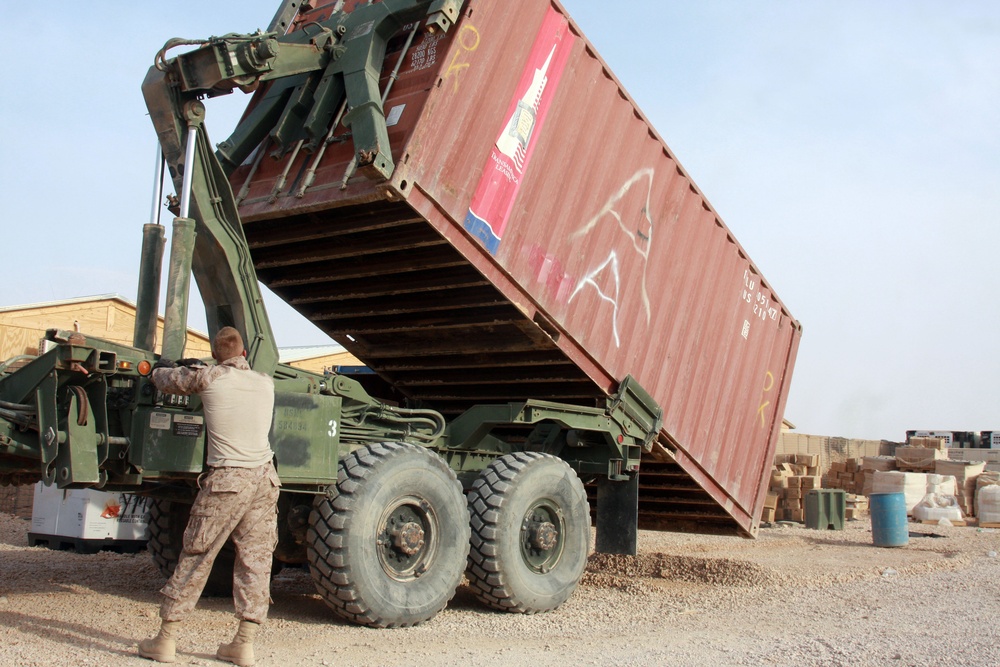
(86, 517)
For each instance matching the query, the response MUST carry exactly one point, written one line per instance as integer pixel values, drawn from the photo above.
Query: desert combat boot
(240, 650)
(162, 647)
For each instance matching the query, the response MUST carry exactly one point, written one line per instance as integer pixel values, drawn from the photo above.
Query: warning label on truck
(188, 425)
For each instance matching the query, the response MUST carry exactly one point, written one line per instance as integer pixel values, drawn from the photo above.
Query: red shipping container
(537, 239)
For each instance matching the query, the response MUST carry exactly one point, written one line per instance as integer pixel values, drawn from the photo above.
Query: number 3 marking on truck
(333, 428)
(468, 40)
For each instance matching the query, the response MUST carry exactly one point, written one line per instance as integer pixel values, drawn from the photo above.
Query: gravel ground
(792, 597)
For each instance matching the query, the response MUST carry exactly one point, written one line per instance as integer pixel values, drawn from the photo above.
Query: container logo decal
(502, 176)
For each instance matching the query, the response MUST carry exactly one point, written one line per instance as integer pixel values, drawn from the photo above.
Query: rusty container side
(539, 239)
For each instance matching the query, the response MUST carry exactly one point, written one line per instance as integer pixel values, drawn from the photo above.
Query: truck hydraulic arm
(310, 73)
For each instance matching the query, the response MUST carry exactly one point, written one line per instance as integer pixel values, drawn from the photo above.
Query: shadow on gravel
(834, 542)
(39, 570)
(71, 634)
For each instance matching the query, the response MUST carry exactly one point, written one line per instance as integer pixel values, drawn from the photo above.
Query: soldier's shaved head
(227, 344)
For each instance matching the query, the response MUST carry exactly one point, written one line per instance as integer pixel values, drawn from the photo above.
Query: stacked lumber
(792, 477)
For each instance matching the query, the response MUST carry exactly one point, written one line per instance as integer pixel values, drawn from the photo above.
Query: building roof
(287, 355)
(70, 302)
(87, 299)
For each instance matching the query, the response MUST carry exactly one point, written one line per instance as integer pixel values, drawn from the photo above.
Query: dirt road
(792, 597)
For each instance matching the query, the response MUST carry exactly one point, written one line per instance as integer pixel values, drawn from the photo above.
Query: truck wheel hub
(544, 536)
(408, 538)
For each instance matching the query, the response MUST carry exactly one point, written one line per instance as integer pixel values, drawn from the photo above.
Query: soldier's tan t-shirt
(238, 403)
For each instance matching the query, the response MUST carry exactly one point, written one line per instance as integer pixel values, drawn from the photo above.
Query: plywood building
(112, 317)
(108, 316)
(318, 358)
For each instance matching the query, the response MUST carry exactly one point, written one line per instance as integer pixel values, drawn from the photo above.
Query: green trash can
(826, 509)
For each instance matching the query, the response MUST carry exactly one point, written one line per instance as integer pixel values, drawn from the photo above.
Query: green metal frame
(605, 441)
(310, 73)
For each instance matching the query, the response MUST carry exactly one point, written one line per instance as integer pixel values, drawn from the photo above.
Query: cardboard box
(808, 460)
(768, 515)
(771, 501)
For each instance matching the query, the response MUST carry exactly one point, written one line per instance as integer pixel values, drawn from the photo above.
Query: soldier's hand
(163, 362)
(190, 362)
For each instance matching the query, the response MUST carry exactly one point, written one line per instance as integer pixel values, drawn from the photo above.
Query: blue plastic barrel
(889, 524)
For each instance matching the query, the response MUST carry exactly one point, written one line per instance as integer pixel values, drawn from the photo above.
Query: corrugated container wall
(537, 239)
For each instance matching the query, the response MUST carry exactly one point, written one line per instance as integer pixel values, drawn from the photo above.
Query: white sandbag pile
(988, 498)
(914, 486)
(938, 507)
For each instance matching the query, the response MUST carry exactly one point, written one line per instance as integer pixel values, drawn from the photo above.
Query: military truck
(463, 195)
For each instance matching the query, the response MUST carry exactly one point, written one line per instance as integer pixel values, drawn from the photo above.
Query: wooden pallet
(990, 524)
(954, 522)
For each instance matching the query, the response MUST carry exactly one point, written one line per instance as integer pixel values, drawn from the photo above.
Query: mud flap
(618, 516)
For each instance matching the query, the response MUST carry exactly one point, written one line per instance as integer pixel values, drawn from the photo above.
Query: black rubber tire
(507, 570)
(376, 584)
(167, 521)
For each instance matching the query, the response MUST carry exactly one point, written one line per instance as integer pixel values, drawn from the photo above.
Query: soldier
(237, 498)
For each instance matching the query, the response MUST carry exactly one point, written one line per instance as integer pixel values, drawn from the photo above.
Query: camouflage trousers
(240, 503)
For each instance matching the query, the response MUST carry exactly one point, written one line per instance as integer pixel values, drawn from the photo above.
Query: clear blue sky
(853, 148)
